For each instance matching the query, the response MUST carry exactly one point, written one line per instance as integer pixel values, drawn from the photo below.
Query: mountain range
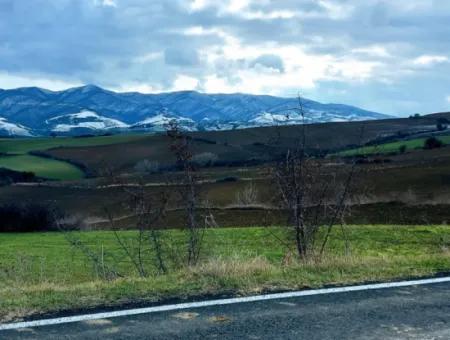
(33, 111)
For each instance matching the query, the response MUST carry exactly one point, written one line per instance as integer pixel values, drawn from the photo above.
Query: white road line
(107, 315)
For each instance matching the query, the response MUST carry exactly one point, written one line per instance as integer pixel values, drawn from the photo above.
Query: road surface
(415, 312)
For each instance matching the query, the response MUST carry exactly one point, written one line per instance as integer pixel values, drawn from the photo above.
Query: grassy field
(392, 147)
(42, 167)
(40, 272)
(24, 145)
(17, 157)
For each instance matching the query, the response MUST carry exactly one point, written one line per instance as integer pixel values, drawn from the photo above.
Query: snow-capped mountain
(91, 109)
(11, 129)
(87, 120)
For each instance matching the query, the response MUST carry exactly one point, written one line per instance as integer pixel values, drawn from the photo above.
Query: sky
(387, 56)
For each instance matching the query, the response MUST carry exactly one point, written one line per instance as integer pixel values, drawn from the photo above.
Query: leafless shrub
(209, 221)
(147, 209)
(247, 196)
(100, 266)
(188, 190)
(144, 249)
(205, 159)
(147, 166)
(313, 195)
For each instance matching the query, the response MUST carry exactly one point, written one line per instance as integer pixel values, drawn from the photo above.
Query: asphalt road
(417, 312)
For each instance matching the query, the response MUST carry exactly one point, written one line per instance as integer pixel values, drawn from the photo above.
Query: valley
(236, 159)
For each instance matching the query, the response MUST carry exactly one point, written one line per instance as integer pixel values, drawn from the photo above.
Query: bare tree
(312, 193)
(188, 189)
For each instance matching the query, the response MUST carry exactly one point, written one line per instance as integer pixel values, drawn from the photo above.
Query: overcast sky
(386, 56)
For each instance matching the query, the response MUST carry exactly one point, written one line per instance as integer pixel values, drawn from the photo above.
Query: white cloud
(183, 82)
(338, 10)
(244, 9)
(106, 3)
(11, 81)
(280, 14)
(197, 5)
(448, 99)
(232, 68)
(148, 57)
(214, 84)
(428, 60)
(373, 51)
(138, 87)
(195, 31)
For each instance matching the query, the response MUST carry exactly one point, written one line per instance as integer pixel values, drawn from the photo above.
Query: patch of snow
(162, 119)
(267, 118)
(90, 120)
(13, 129)
(80, 115)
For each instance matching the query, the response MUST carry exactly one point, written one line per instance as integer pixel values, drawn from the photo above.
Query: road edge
(199, 304)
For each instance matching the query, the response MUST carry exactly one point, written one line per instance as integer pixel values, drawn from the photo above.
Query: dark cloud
(181, 57)
(270, 61)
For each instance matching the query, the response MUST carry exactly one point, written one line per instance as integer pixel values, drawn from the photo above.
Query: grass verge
(40, 273)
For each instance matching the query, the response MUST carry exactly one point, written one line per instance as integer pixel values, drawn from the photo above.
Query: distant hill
(241, 146)
(91, 109)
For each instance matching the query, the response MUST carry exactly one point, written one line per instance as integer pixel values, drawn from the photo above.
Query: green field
(24, 145)
(42, 167)
(391, 147)
(17, 157)
(40, 272)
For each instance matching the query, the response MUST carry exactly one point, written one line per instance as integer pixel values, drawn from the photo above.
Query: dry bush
(147, 166)
(247, 196)
(312, 195)
(205, 159)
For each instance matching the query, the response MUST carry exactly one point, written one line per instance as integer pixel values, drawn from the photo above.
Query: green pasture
(42, 167)
(391, 147)
(14, 154)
